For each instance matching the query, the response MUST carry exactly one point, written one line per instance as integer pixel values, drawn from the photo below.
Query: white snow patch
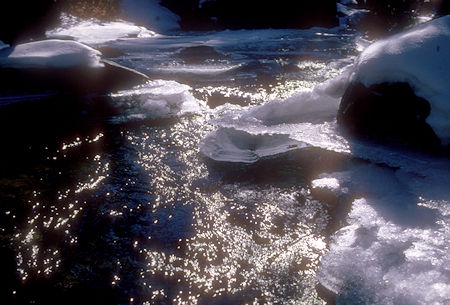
(150, 14)
(94, 31)
(50, 54)
(419, 56)
(329, 183)
(156, 99)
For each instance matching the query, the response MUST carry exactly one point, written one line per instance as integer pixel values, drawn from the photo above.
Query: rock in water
(61, 66)
(399, 88)
(389, 112)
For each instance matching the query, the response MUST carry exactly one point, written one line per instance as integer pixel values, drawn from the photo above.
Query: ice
(96, 32)
(231, 145)
(3, 45)
(419, 56)
(351, 16)
(394, 249)
(150, 14)
(304, 119)
(50, 54)
(207, 70)
(156, 99)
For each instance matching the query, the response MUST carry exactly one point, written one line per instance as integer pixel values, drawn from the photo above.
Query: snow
(150, 14)
(419, 56)
(302, 120)
(96, 32)
(394, 249)
(155, 99)
(50, 54)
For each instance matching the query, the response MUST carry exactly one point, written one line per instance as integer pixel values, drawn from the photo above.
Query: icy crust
(394, 249)
(50, 54)
(155, 99)
(96, 32)
(419, 57)
(303, 120)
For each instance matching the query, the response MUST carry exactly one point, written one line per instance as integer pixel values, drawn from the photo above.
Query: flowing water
(180, 191)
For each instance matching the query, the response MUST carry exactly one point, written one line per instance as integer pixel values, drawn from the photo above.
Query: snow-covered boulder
(400, 87)
(50, 54)
(59, 65)
(95, 32)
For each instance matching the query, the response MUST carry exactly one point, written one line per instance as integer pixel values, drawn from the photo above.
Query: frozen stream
(185, 192)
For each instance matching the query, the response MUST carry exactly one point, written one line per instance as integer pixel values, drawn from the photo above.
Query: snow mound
(150, 14)
(420, 57)
(50, 54)
(155, 99)
(95, 32)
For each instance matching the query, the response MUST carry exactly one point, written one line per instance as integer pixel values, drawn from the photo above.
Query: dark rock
(77, 80)
(22, 20)
(389, 112)
(198, 54)
(253, 14)
(109, 52)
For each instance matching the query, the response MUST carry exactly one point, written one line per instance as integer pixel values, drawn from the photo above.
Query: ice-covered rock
(419, 58)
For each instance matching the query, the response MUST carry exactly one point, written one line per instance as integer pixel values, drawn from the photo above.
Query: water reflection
(95, 212)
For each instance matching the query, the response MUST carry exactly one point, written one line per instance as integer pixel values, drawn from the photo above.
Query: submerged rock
(79, 80)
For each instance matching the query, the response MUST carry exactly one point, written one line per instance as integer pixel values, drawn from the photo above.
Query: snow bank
(419, 57)
(394, 249)
(50, 54)
(150, 14)
(155, 99)
(94, 31)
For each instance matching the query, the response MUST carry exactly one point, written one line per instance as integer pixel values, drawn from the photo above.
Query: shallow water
(117, 200)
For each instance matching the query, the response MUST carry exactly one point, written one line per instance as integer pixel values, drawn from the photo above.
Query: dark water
(98, 207)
